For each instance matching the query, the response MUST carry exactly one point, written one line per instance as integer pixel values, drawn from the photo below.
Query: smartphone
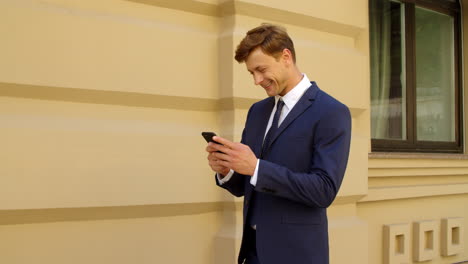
(208, 136)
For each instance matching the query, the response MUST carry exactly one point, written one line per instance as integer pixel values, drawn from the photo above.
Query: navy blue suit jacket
(298, 177)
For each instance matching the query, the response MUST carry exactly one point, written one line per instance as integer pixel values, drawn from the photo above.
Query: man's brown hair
(270, 38)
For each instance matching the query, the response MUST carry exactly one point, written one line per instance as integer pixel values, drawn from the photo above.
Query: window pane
(388, 91)
(435, 76)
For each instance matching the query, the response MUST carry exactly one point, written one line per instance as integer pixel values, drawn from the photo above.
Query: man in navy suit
(291, 160)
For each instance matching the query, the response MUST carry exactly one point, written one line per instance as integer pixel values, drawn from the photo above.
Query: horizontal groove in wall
(297, 19)
(347, 199)
(422, 172)
(416, 191)
(78, 95)
(51, 215)
(31, 216)
(412, 156)
(417, 164)
(228, 8)
(190, 6)
(416, 180)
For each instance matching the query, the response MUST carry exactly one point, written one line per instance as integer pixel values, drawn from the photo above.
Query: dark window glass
(415, 92)
(388, 102)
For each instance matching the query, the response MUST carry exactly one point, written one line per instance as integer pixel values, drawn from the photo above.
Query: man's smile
(266, 86)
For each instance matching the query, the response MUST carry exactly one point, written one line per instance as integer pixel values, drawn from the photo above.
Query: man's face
(268, 72)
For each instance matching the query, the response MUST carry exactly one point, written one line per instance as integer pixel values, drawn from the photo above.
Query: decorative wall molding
(452, 236)
(404, 176)
(396, 243)
(425, 240)
(426, 243)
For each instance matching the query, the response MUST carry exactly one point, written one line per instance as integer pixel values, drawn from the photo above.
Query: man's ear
(287, 56)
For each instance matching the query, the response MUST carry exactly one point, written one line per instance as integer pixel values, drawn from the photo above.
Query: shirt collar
(292, 97)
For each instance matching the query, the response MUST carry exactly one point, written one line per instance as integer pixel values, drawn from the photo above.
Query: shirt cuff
(226, 178)
(254, 178)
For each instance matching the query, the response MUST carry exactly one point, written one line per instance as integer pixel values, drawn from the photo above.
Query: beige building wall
(101, 159)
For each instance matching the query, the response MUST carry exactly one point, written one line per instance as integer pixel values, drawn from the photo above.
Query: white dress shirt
(290, 99)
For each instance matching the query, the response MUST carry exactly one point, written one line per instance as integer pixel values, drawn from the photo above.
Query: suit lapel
(264, 117)
(259, 128)
(302, 105)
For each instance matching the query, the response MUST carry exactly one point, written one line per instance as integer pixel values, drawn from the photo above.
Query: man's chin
(270, 92)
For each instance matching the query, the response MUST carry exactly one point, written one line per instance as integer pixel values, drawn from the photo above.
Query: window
(415, 75)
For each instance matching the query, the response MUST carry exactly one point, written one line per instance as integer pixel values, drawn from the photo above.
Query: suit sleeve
(235, 185)
(319, 186)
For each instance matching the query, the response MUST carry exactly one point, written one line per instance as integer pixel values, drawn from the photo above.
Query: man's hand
(235, 156)
(213, 161)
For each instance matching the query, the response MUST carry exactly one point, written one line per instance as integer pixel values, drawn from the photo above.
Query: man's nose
(257, 78)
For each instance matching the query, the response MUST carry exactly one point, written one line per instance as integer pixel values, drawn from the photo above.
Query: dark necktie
(274, 126)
